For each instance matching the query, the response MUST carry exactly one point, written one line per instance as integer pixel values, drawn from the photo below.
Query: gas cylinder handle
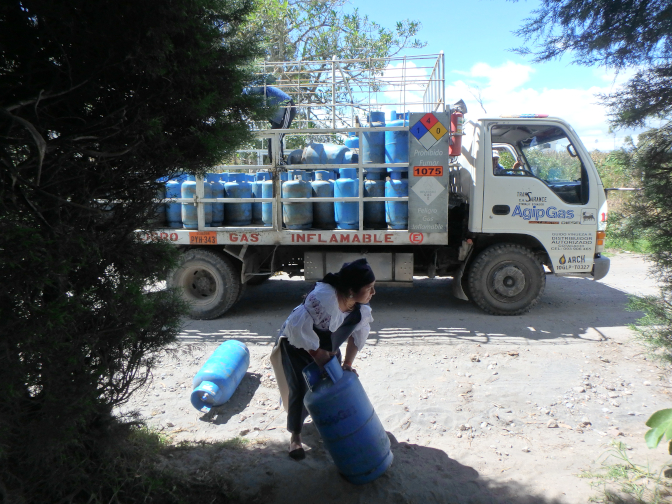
(313, 374)
(333, 369)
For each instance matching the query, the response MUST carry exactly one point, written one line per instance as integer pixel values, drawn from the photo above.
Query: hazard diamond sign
(428, 130)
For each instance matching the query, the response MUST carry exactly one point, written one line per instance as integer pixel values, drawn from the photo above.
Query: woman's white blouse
(321, 310)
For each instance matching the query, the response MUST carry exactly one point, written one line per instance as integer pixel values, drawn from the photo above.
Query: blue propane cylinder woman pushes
(335, 311)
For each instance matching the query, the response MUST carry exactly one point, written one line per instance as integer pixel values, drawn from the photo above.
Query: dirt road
(479, 408)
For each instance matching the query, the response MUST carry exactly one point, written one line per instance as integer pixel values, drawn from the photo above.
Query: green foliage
(619, 477)
(655, 328)
(661, 425)
(615, 34)
(316, 30)
(99, 100)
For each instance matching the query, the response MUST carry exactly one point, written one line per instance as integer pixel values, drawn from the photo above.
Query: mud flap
(457, 289)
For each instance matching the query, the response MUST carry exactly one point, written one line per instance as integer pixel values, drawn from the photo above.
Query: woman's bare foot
(295, 447)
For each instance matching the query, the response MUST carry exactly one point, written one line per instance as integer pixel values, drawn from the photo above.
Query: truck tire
(506, 279)
(209, 282)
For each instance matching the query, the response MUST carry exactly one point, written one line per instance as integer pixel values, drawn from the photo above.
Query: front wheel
(209, 282)
(506, 279)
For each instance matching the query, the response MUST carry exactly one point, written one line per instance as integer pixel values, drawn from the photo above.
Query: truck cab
(545, 199)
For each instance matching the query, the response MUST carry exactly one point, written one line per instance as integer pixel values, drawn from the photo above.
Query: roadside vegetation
(633, 35)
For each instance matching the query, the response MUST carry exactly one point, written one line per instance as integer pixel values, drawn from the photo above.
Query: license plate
(203, 238)
(428, 171)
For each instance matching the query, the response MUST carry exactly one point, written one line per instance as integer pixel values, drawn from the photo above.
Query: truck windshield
(545, 152)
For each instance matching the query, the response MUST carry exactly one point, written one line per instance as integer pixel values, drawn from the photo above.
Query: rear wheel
(209, 282)
(506, 279)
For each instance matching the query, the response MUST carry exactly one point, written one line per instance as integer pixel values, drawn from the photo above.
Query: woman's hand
(347, 366)
(321, 356)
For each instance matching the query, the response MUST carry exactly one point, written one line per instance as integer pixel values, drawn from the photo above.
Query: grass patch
(622, 481)
(638, 245)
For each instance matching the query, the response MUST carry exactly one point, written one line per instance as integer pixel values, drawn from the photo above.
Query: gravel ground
(479, 408)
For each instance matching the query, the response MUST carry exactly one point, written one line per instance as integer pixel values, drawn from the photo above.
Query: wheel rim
(199, 285)
(507, 283)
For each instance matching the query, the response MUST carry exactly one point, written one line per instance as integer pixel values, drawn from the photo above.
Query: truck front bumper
(600, 268)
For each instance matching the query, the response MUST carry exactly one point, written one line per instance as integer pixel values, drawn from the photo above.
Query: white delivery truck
(496, 229)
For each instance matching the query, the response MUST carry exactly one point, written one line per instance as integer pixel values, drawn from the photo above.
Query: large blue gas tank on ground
(323, 213)
(174, 210)
(297, 215)
(374, 213)
(396, 212)
(218, 378)
(343, 415)
(238, 214)
(217, 185)
(266, 208)
(373, 144)
(396, 142)
(189, 211)
(257, 209)
(347, 186)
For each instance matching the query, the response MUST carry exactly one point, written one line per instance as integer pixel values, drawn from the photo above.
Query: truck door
(541, 187)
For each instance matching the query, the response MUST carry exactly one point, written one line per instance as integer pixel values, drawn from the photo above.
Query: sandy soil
(479, 408)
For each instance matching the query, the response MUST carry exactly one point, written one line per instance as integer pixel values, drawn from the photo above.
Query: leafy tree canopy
(616, 34)
(316, 30)
(98, 100)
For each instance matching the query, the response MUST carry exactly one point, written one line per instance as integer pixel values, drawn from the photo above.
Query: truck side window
(545, 152)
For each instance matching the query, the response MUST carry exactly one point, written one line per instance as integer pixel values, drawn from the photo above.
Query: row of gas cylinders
(339, 183)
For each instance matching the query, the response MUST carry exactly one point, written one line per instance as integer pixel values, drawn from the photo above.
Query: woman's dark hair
(352, 277)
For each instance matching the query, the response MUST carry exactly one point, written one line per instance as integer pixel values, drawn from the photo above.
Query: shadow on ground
(571, 310)
(264, 473)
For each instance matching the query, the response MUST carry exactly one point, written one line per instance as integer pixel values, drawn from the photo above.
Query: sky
(476, 37)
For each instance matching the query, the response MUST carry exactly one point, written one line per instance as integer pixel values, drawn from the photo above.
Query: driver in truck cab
(498, 169)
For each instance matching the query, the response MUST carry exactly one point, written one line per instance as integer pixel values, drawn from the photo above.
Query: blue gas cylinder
(294, 157)
(323, 213)
(347, 186)
(257, 209)
(350, 429)
(374, 213)
(324, 153)
(373, 144)
(218, 378)
(174, 210)
(160, 213)
(352, 142)
(189, 212)
(352, 157)
(217, 186)
(267, 208)
(396, 212)
(297, 215)
(238, 214)
(396, 142)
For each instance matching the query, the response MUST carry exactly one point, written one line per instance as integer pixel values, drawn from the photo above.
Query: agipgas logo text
(536, 213)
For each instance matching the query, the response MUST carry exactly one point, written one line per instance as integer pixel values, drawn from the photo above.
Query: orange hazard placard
(203, 238)
(428, 171)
